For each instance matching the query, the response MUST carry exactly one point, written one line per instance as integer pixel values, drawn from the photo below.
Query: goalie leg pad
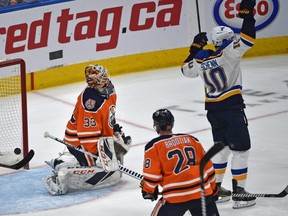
(107, 154)
(91, 178)
(80, 178)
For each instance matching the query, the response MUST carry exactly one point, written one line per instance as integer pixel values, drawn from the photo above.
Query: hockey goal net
(13, 112)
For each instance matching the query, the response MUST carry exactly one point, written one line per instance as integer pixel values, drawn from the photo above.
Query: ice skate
(241, 202)
(224, 194)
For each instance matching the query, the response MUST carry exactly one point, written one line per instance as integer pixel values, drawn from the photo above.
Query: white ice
(265, 83)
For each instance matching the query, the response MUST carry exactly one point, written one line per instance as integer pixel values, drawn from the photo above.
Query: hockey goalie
(99, 143)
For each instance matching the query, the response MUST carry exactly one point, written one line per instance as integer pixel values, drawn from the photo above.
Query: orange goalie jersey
(92, 118)
(172, 161)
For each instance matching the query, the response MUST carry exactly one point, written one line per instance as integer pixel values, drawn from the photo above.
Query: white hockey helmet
(97, 75)
(220, 34)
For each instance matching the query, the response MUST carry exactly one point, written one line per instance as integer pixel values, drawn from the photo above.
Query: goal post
(13, 111)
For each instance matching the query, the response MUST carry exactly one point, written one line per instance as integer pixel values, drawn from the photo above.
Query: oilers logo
(112, 119)
(226, 13)
(90, 104)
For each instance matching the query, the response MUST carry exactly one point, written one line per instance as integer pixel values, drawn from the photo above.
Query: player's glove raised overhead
(246, 9)
(200, 40)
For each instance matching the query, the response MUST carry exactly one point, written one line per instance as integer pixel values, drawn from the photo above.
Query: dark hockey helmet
(162, 119)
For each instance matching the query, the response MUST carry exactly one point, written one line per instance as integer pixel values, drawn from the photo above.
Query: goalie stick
(21, 163)
(263, 195)
(217, 147)
(122, 169)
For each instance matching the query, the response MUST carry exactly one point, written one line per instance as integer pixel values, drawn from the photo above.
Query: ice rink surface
(265, 84)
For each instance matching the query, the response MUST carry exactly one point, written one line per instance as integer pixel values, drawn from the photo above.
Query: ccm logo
(226, 13)
(83, 171)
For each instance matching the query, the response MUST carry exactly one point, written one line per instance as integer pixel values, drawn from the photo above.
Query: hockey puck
(17, 151)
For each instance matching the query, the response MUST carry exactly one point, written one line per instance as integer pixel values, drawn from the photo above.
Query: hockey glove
(246, 9)
(150, 196)
(200, 40)
(117, 128)
(127, 139)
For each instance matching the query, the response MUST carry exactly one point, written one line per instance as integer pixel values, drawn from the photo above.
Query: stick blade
(263, 195)
(283, 193)
(21, 163)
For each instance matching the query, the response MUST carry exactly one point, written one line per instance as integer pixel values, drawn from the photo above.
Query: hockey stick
(217, 147)
(280, 195)
(21, 163)
(122, 169)
(198, 16)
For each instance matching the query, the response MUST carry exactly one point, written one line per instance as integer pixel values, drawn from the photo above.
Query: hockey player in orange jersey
(92, 123)
(172, 162)
(94, 113)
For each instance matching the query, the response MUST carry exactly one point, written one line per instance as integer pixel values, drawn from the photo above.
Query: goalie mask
(220, 34)
(163, 120)
(97, 75)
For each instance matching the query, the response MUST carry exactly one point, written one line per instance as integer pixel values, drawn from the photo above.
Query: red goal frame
(21, 62)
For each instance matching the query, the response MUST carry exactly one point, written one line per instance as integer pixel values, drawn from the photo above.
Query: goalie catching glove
(246, 9)
(118, 130)
(122, 143)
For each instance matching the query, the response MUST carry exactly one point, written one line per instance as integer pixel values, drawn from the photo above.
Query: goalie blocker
(69, 176)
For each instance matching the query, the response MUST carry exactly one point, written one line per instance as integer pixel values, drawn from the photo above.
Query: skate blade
(243, 204)
(223, 199)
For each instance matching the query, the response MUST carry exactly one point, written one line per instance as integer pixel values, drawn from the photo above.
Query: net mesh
(10, 114)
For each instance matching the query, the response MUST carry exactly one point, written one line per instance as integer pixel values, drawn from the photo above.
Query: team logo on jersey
(226, 13)
(112, 118)
(90, 104)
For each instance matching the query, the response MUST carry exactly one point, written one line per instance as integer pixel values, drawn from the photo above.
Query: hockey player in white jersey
(221, 73)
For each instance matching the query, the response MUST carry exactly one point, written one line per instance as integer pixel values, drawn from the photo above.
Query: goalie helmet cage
(13, 111)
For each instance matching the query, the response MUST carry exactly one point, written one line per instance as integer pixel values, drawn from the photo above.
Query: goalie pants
(163, 208)
(231, 127)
